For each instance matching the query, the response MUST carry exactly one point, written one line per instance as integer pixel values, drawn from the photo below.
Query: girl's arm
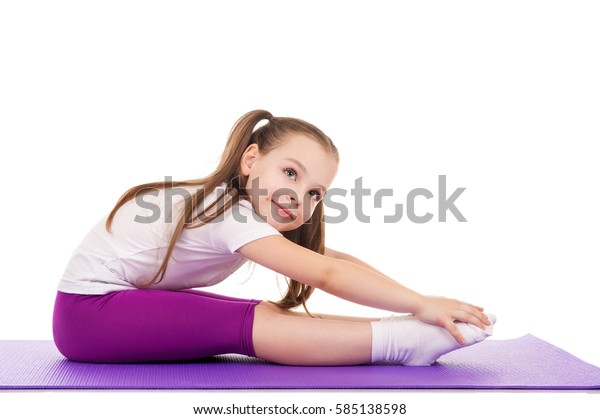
(345, 256)
(357, 282)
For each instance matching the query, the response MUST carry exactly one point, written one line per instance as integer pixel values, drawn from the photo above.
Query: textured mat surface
(523, 363)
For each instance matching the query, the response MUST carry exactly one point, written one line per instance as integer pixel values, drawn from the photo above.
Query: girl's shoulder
(238, 226)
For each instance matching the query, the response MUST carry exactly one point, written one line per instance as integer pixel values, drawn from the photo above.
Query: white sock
(411, 342)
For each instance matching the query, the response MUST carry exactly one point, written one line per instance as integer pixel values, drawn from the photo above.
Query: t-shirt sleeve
(239, 226)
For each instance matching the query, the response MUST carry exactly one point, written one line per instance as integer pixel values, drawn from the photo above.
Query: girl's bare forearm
(365, 286)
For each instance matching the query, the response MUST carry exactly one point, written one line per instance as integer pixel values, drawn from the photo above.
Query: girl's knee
(267, 314)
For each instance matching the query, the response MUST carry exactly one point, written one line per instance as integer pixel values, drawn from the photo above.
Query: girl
(127, 293)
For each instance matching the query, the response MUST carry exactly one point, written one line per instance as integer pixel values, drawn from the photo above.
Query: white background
(501, 97)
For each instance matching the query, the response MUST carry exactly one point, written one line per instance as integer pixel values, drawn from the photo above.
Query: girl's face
(286, 184)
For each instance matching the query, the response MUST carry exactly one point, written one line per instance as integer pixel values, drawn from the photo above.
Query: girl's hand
(441, 311)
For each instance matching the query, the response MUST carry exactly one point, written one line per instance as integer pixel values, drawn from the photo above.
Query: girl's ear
(248, 159)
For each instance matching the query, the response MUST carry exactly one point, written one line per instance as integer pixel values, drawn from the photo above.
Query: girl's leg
(157, 325)
(302, 340)
(151, 325)
(279, 310)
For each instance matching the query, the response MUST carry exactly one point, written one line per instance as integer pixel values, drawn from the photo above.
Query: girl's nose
(288, 200)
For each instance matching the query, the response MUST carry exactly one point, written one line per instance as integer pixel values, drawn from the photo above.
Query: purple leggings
(144, 325)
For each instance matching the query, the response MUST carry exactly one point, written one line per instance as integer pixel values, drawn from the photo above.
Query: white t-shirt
(134, 249)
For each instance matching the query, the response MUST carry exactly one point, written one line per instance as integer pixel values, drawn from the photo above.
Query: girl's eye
(315, 195)
(291, 173)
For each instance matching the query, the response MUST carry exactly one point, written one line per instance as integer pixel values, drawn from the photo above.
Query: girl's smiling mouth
(284, 212)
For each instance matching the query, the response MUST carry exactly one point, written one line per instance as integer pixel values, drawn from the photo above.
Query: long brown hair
(310, 235)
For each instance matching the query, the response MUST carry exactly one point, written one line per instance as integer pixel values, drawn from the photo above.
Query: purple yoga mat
(523, 363)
